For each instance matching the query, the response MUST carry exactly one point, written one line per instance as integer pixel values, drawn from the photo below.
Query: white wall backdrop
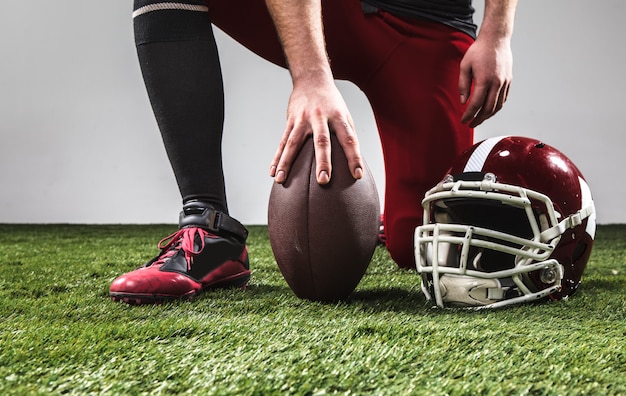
(78, 142)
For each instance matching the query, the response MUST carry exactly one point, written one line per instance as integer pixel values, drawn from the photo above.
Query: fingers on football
(284, 156)
(350, 144)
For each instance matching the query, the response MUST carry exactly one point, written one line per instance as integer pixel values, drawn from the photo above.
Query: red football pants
(408, 70)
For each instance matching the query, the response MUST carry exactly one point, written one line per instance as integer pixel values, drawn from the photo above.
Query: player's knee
(402, 253)
(400, 235)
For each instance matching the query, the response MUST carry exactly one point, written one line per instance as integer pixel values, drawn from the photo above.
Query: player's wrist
(319, 76)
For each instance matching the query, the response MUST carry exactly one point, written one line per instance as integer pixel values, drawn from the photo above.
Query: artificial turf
(60, 333)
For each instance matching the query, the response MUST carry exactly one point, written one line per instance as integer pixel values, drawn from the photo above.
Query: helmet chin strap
(460, 290)
(477, 293)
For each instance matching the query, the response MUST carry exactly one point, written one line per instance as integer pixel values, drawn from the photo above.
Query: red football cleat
(208, 252)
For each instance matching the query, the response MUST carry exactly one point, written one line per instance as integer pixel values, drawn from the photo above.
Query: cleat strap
(211, 220)
(220, 221)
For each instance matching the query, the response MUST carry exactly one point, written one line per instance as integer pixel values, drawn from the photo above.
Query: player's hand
(489, 65)
(317, 108)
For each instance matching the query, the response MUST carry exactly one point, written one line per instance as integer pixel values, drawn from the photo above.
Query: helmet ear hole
(579, 251)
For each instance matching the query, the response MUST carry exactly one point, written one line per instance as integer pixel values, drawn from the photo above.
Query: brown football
(323, 237)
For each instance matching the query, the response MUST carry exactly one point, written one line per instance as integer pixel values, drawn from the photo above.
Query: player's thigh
(415, 98)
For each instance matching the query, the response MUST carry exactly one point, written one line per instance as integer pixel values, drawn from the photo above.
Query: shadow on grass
(371, 300)
(391, 300)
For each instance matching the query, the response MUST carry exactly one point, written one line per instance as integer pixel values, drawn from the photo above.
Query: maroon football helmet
(512, 222)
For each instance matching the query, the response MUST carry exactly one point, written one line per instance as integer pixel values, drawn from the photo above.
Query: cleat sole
(238, 281)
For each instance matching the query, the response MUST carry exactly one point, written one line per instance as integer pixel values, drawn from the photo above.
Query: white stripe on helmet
(479, 156)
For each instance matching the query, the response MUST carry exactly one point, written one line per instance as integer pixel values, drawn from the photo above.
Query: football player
(429, 77)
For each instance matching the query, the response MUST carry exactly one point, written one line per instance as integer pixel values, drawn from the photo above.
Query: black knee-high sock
(181, 70)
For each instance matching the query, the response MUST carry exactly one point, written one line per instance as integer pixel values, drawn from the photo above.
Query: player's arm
(488, 63)
(316, 106)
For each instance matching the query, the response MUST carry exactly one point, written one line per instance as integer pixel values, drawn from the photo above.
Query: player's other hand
(317, 108)
(489, 65)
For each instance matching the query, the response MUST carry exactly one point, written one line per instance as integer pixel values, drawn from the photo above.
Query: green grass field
(60, 334)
